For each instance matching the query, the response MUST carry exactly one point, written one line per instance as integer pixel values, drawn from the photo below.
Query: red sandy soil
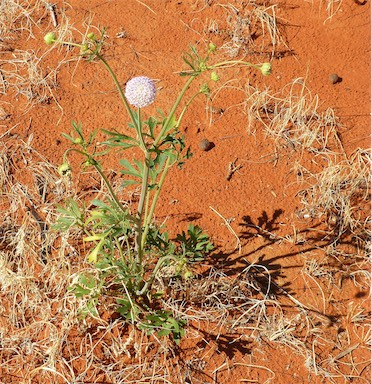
(264, 188)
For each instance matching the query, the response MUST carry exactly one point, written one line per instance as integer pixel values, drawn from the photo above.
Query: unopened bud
(89, 162)
(214, 76)
(212, 47)
(50, 38)
(266, 69)
(78, 140)
(205, 89)
(64, 169)
(84, 48)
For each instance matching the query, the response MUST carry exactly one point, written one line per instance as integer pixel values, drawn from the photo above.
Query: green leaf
(120, 140)
(152, 124)
(195, 244)
(125, 183)
(71, 215)
(68, 137)
(132, 170)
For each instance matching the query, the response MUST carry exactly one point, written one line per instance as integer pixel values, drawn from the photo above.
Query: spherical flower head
(266, 69)
(140, 91)
(50, 38)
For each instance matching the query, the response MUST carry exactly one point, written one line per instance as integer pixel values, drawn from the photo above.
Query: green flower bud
(87, 164)
(84, 48)
(91, 36)
(50, 38)
(202, 66)
(78, 140)
(214, 76)
(205, 89)
(212, 47)
(266, 69)
(64, 169)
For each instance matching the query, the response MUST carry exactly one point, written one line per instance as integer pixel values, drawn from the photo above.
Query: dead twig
(232, 168)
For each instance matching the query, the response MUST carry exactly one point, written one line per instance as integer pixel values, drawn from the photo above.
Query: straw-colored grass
(40, 328)
(340, 195)
(30, 77)
(292, 118)
(42, 337)
(246, 28)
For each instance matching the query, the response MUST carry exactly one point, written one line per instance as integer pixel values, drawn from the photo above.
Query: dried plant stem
(238, 243)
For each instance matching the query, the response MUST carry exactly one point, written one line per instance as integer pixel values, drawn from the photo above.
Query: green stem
(149, 216)
(107, 183)
(139, 216)
(139, 132)
(119, 88)
(185, 108)
(68, 43)
(154, 272)
(74, 150)
(173, 110)
(231, 63)
(112, 193)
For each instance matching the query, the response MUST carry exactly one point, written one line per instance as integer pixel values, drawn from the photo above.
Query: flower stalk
(161, 149)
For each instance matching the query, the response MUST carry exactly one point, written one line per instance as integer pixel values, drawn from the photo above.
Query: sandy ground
(245, 192)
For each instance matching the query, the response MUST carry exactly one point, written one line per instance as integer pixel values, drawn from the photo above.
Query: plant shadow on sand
(267, 273)
(260, 294)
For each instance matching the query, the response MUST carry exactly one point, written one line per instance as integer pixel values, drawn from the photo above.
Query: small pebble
(205, 145)
(334, 78)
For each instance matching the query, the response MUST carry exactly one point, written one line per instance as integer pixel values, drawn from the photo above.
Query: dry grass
(40, 330)
(331, 7)
(20, 18)
(22, 71)
(24, 75)
(246, 28)
(292, 118)
(340, 195)
(17, 16)
(41, 337)
(32, 281)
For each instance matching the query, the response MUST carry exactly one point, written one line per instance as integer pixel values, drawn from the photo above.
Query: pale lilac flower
(140, 91)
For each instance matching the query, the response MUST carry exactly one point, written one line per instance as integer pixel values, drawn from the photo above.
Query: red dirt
(264, 188)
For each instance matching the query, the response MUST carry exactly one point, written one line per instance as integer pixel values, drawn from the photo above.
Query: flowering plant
(129, 250)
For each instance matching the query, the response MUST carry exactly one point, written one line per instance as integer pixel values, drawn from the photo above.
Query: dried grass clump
(24, 18)
(33, 273)
(42, 337)
(18, 16)
(24, 74)
(252, 309)
(292, 118)
(340, 195)
(249, 28)
(331, 7)
(22, 71)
